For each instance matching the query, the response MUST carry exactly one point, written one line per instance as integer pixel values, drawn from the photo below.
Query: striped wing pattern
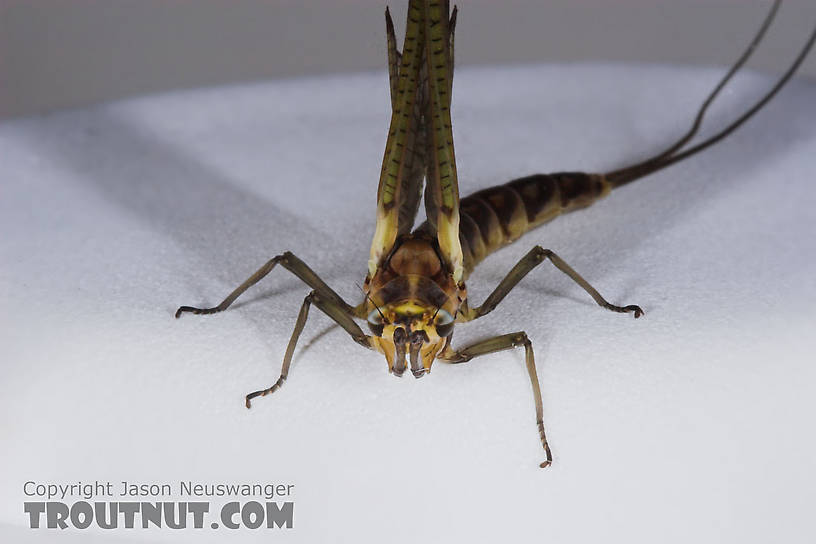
(420, 139)
(400, 157)
(442, 190)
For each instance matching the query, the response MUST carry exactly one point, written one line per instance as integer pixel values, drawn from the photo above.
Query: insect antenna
(368, 297)
(670, 155)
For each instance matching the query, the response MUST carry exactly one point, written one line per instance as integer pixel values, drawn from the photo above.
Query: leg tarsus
(636, 310)
(238, 291)
(547, 451)
(197, 311)
(264, 392)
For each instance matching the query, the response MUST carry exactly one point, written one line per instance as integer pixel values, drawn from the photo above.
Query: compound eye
(375, 322)
(444, 323)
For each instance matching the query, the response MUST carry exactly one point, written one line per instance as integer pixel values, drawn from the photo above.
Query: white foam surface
(692, 424)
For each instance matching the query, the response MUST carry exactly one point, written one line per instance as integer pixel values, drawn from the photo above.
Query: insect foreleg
(535, 257)
(500, 343)
(291, 263)
(340, 316)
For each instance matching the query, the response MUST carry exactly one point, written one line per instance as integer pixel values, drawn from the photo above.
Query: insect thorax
(412, 303)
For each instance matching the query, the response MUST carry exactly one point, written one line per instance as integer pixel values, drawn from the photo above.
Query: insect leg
(535, 257)
(330, 308)
(499, 343)
(291, 263)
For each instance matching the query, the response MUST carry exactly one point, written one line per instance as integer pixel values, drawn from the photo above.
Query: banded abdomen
(496, 216)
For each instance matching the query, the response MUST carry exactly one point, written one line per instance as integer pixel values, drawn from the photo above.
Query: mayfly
(414, 291)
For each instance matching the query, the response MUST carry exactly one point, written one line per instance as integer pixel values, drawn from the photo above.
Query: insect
(415, 291)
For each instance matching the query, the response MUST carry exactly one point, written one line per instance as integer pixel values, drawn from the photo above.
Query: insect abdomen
(496, 216)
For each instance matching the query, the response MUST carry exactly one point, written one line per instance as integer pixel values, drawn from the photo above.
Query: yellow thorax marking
(410, 308)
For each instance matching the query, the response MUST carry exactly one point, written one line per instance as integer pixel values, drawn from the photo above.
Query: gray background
(65, 54)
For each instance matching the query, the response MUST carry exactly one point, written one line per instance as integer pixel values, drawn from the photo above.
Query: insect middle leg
(533, 258)
(340, 316)
(291, 263)
(500, 343)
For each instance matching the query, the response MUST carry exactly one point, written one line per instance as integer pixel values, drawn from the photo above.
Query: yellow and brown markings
(414, 291)
(414, 276)
(440, 76)
(494, 217)
(442, 192)
(402, 119)
(420, 138)
(399, 153)
(394, 58)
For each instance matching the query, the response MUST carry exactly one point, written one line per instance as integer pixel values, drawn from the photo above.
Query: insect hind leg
(534, 257)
